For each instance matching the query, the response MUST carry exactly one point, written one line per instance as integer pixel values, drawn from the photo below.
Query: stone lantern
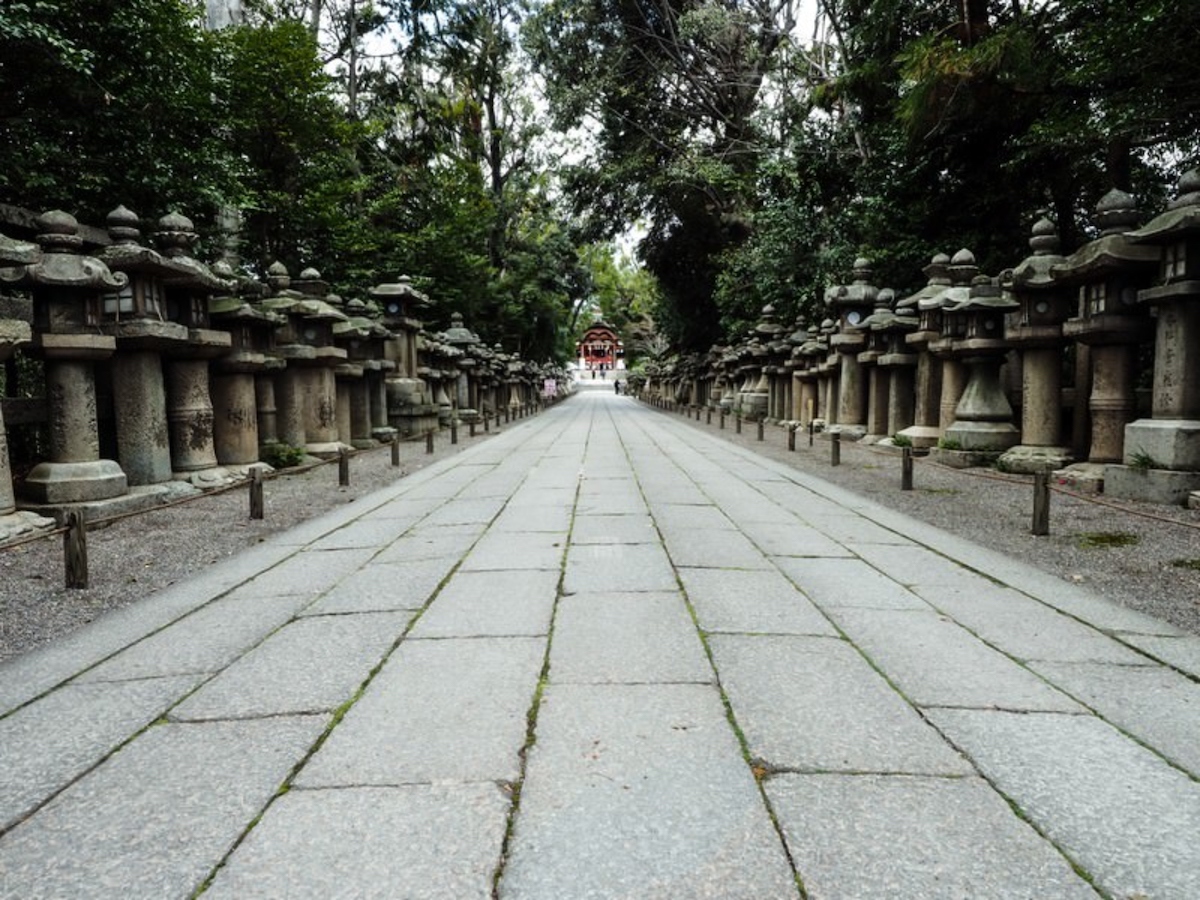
(1162, 453)
(465, 341)
(851, 304)
(925, 306)
(1107, 275)
(962, 271)
(245, 412)
(792, 365)
(810, 353)
(68, 290)
(983, 417)
(306, 391)
(828, 374)
(14, 332)
(190, 414)
(136, 316)
(410, 407)
(1036, 332)
(889, 369)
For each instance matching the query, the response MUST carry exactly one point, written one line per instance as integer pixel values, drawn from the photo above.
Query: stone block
(1167, 443)
(1150, 485)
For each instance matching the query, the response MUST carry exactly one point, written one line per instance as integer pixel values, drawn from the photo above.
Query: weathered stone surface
(613, 529)
(419, 841)
(1114, 807)
(311, 573)
(618, 567)
(430, 542)
(856, 836)
(156, 818)
(761, 602)
(641, 791)
(626, 638)
(56, 739)
(438, 710)
(1181, 652)
(205, 641)
(1154, 704)
(937, 663)
(832, 583)
(517, 550)
(385, 586)
(813, 704)
(309, 666)
(475, 604)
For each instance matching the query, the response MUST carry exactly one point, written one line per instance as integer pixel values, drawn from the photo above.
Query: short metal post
(760, 429)
(835, 449)
(344, 467)
(791, 437)
(429, 441)
(906, 468)
(257, 505)
(75, 558)
(1041, 504)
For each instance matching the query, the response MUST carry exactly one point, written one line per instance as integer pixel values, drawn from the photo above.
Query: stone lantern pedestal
(1107, 274)
(962, 270)
(407, 398)
(1162, 453)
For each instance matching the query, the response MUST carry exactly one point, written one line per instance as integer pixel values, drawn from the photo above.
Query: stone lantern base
(54, 483)
(1161, 464)
(1029, 460)
(922, 436)
(21, 523)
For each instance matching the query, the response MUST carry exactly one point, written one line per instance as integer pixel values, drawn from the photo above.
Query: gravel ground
(146, 553)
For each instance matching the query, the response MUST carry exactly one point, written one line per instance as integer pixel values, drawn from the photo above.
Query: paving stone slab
(309, 573)
(938, 663)
(1124, 815)
(762, 602)
(813, 704)
(517, 550)
(856, 836)
(855, 530)
(831, 583)
(1025, 628)
(608, 529)
(626, 638)
(155, 818)
(641, 791)
(54, 740)
(1155, 704)
(431, 542)
(554, 518)
(476, 604)
(1181, 652)
(793, 539)
(311, 665)
(444, 710)
(374, 533)
(682, 494)
(379, 587)
(206, 641)
(618, 567)
(918, 567)
(717, 549)
(676, 519)
(467, 510)
(425, 842)
(613, 503)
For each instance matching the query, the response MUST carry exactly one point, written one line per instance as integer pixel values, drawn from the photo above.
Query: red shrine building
(600, 350)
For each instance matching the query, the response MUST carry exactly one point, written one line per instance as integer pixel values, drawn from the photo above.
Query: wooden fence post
(75, 556)
(257, 505)
(906, 469)
(835, 449)
(344, 467)
(1041, 504)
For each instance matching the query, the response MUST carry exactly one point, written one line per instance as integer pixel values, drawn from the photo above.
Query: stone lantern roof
(458, 335)
(126, 254)
(61, 262)
(1182, 216)
(17, 253)
(961, 271)
(1034, 272)
(400, 301)
(175, 235)
(1116, 215)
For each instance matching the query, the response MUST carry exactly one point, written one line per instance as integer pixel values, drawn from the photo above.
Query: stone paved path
(603, 655)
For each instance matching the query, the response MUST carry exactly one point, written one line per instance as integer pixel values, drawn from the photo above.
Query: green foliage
(1092, 540)
(281, 456)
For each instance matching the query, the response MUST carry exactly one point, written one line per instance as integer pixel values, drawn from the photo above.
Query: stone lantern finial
(1043, 240)
(58, 232)
(1188, 190)
(277, 277)
(123, 226)
(962, 268)
(176, 234)
(1116, 213)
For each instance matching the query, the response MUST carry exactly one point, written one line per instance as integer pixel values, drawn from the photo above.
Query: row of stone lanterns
(206, 372)
(938, 368)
